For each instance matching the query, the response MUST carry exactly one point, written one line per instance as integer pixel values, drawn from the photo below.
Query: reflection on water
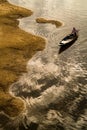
(55, 86)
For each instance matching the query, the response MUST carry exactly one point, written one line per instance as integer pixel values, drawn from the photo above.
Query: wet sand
(16, 48)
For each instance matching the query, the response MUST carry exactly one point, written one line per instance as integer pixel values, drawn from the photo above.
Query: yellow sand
(43, 20)
(16, 47)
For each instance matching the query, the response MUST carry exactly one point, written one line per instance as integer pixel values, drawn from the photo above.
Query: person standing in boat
(74, 31)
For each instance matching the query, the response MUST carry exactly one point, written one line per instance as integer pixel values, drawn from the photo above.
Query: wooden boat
(69, 39)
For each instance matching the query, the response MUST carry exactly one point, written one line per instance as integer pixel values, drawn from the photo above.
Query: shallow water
(55, 86)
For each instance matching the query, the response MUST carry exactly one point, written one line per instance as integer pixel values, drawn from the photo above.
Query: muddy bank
(44, 21)
(16, 47)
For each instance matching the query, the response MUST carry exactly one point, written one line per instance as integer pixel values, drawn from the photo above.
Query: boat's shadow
(64, 47)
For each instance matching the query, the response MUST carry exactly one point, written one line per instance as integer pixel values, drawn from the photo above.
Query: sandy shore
(16, 47)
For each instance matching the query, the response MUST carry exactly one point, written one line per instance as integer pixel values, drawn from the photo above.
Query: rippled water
(55, 86)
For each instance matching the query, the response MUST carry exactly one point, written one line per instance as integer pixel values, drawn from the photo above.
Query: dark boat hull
(63, 47)
(68, 40)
